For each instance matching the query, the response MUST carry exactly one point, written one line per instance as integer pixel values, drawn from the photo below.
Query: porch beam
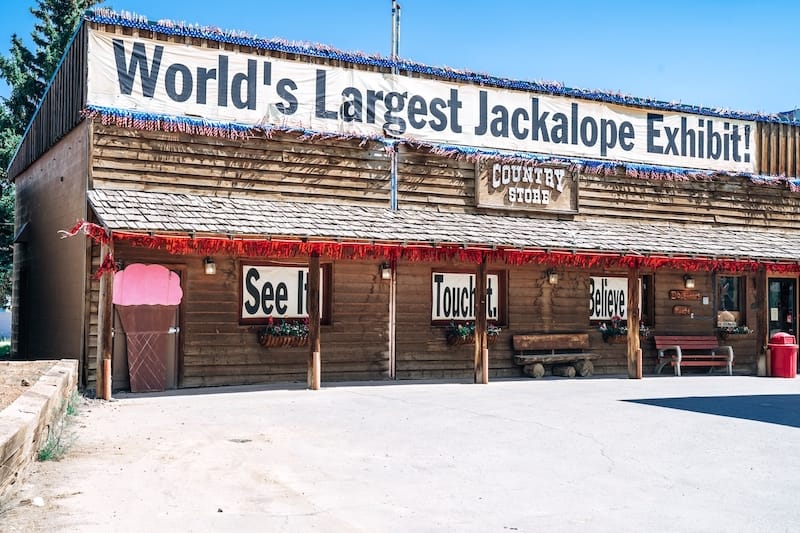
(481, 360)
(105, 322)
(634, 349)
(314, 362)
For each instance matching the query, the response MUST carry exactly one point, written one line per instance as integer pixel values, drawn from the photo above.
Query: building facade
(401, 197)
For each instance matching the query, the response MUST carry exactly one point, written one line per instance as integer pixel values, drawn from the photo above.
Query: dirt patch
(16, 377)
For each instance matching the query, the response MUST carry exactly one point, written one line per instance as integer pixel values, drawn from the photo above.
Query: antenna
(395, 34)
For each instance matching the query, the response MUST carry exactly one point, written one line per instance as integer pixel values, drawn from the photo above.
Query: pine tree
(27, 72)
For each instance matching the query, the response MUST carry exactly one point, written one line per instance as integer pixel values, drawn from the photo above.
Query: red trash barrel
(783, 355)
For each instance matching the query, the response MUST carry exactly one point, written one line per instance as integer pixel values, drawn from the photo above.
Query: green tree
(27, 72)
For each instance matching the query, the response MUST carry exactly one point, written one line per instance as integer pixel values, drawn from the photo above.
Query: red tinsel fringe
(179, 245)
(95, 232)
(429, 253)
(106, 266)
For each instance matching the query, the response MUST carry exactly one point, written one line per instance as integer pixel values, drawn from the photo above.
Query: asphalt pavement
(699, 453)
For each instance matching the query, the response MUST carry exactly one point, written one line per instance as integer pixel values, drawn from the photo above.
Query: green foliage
(27, 72)
(58, 441)
(734, 330)
(467, 329)
(285, 328)
(6, 240)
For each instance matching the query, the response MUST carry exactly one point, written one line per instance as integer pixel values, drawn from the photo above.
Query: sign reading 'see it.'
(454, 296)
(275, 291)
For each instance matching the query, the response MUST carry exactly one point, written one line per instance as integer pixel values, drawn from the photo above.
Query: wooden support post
(107, 379)
(481, 374)
(762, 327)
(105, 322)
(485, 363)
(639, 364)
(314, 357)
(634, 360)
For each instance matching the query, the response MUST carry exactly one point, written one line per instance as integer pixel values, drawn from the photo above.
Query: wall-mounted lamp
(552, 277)
(209, 266)
(688, 281)
(386, 270)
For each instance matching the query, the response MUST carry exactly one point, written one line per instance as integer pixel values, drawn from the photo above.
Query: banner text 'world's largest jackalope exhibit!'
(177, 80)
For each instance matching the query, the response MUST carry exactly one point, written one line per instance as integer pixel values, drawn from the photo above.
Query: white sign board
(608, 297)
(453, 296)
(275, 291)
(138, 74)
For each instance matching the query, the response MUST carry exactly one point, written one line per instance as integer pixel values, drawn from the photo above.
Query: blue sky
(737, 55)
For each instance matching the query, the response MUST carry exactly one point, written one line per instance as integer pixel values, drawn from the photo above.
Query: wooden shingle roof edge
(254, 218)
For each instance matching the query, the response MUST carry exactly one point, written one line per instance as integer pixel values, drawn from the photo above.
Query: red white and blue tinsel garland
(197, 126)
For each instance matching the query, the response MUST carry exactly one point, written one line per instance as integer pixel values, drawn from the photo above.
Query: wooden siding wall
(60, 110)
(426, 180)
(422, 350)
(91, 331)
(703, 321)
(219, 351)
(732, 201)
(49, 272)
(778, 149)
(534, 306)
(290, 169)
(282, 168)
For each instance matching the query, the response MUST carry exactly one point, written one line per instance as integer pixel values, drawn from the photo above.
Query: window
(730, 307)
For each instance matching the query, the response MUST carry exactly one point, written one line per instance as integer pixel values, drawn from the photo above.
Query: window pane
(728, 293)
(729, 301)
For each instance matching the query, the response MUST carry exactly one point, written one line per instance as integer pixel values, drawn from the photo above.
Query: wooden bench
(692, 350)
(566, 352)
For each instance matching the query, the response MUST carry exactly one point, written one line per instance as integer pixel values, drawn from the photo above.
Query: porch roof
(171, 213)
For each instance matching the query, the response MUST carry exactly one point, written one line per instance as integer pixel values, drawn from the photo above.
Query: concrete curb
(25, 423)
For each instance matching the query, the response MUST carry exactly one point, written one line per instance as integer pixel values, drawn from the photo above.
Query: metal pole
(395, 50)
(393, 185)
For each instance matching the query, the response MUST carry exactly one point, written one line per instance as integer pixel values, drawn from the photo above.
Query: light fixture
(688, 281)
(209, 266)
(552, 276)
(386, 270)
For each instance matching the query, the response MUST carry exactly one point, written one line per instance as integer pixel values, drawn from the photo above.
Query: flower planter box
(616, 339)
(733, 336)
(455, 340)
(282, 341)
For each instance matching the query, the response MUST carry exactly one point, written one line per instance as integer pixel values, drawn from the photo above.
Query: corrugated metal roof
(137, 211)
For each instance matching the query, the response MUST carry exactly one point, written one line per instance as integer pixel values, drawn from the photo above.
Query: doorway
(782, 308)
(154, 335)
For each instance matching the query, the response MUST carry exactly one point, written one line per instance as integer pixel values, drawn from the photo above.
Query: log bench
(565, 352)
(692, 350)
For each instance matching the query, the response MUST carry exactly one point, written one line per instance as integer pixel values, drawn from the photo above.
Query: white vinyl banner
(173, 79)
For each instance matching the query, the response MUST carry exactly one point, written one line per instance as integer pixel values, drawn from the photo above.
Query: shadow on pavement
(781, 409)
